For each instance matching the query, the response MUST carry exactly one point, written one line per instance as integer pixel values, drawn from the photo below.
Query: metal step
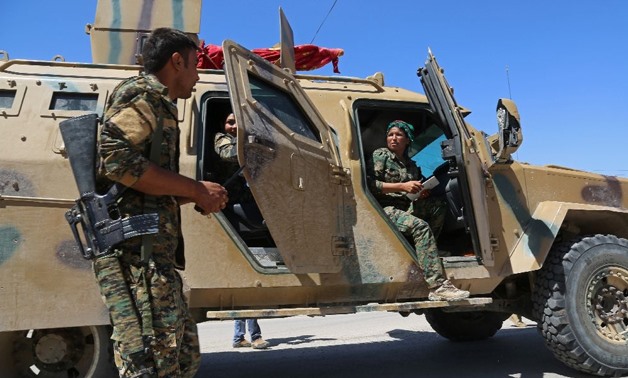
(476, 303)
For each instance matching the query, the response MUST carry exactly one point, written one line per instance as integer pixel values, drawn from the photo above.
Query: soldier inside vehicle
(425, 151)
(245, 219)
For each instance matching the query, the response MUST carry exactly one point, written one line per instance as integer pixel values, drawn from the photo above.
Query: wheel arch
(554, 221)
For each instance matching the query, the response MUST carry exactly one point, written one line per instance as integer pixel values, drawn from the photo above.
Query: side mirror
(509, 134)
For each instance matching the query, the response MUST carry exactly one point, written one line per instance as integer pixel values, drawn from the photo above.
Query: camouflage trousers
(412, 225)
(174, 346)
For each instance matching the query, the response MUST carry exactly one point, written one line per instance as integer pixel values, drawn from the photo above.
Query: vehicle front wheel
(81, 352)
(582, 291)
(465, 326)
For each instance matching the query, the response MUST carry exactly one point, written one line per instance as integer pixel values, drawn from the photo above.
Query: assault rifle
(98, 215)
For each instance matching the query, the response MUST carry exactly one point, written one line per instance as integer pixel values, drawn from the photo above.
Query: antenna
(324, 19)
(510, 97)
(508, 79)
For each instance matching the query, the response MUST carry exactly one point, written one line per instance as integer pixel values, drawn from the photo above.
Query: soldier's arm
(378, 184)
(156, 181)
(408, 187)
(226, 148)
(123, 141)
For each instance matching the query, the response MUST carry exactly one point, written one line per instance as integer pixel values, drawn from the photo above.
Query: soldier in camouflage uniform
(135, 110)
(226, 148)
(392, 175)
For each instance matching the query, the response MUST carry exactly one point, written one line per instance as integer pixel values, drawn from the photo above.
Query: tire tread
(549, 305)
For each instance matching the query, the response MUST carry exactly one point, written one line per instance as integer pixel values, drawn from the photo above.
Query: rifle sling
(150, 202)
(150, 206)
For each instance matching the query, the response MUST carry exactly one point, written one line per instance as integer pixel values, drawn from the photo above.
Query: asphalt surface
(375, 345)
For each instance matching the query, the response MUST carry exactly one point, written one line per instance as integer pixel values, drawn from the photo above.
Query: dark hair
(161, 44)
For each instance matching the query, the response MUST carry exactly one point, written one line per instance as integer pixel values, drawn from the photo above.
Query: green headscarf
(405, 126)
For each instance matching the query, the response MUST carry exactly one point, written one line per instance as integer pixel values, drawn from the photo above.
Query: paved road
(375, 345)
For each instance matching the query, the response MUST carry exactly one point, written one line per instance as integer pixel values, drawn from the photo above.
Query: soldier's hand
(412, 186)
(211, 197)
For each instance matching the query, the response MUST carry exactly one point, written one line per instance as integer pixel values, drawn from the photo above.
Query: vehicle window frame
(73, 97)
(18, 98)
(78, 88)
(294, 109)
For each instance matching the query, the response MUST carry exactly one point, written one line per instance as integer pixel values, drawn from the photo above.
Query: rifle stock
(79, 136)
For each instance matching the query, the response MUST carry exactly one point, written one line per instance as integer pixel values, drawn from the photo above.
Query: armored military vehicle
(545, 242)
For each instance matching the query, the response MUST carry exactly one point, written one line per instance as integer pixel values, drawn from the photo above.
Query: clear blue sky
(567, 59)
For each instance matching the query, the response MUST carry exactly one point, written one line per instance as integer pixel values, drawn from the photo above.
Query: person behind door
(225, 145)
(254, 331)
(391, 175)
(226, 148)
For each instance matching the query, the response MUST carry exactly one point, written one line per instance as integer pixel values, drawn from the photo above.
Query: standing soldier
(139, 148)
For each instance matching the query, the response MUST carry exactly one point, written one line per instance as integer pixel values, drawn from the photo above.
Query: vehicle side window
(284, 107)
(74, 101)
(7, 98)
(427, 149)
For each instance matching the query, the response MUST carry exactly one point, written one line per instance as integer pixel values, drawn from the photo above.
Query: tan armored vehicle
(545, 242)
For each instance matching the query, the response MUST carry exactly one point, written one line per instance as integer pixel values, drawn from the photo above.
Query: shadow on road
(300, 340)
(510, 353)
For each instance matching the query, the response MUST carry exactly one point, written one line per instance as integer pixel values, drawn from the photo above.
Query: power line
(324, 19)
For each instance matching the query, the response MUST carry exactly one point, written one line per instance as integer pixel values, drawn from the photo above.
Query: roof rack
(344, 79)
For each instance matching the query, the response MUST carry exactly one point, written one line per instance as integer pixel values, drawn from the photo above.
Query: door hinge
(339, 175)
(489, 257)
(342, 245)
(494, 243)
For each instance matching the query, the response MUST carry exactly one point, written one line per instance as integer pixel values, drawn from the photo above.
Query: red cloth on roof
(307, 57)
(210, 57)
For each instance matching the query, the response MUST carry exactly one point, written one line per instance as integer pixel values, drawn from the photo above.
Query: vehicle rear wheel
(465, 326)
(61, 352)
(582, 291)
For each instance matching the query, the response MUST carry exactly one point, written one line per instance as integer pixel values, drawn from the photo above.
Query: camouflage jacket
(225, 146)
(383, 167)
(131, 116)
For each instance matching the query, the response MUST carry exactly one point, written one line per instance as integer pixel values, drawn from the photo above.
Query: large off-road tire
(465, 326)
(581, 296)
(81, 352)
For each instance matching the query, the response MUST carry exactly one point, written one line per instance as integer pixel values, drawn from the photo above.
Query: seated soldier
(392, 175)
(225, 146)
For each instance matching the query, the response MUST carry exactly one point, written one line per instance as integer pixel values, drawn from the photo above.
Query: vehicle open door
(471, 168)
(290, 162)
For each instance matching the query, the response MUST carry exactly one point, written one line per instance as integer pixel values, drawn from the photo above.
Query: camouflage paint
(144, 23)
(362, 268)
(146, 15)
(609, 195)
(68, 253)
(177, 14)
(10, 240)
(415, 281)
(14, 183)
(535, 230)
(115, 42)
